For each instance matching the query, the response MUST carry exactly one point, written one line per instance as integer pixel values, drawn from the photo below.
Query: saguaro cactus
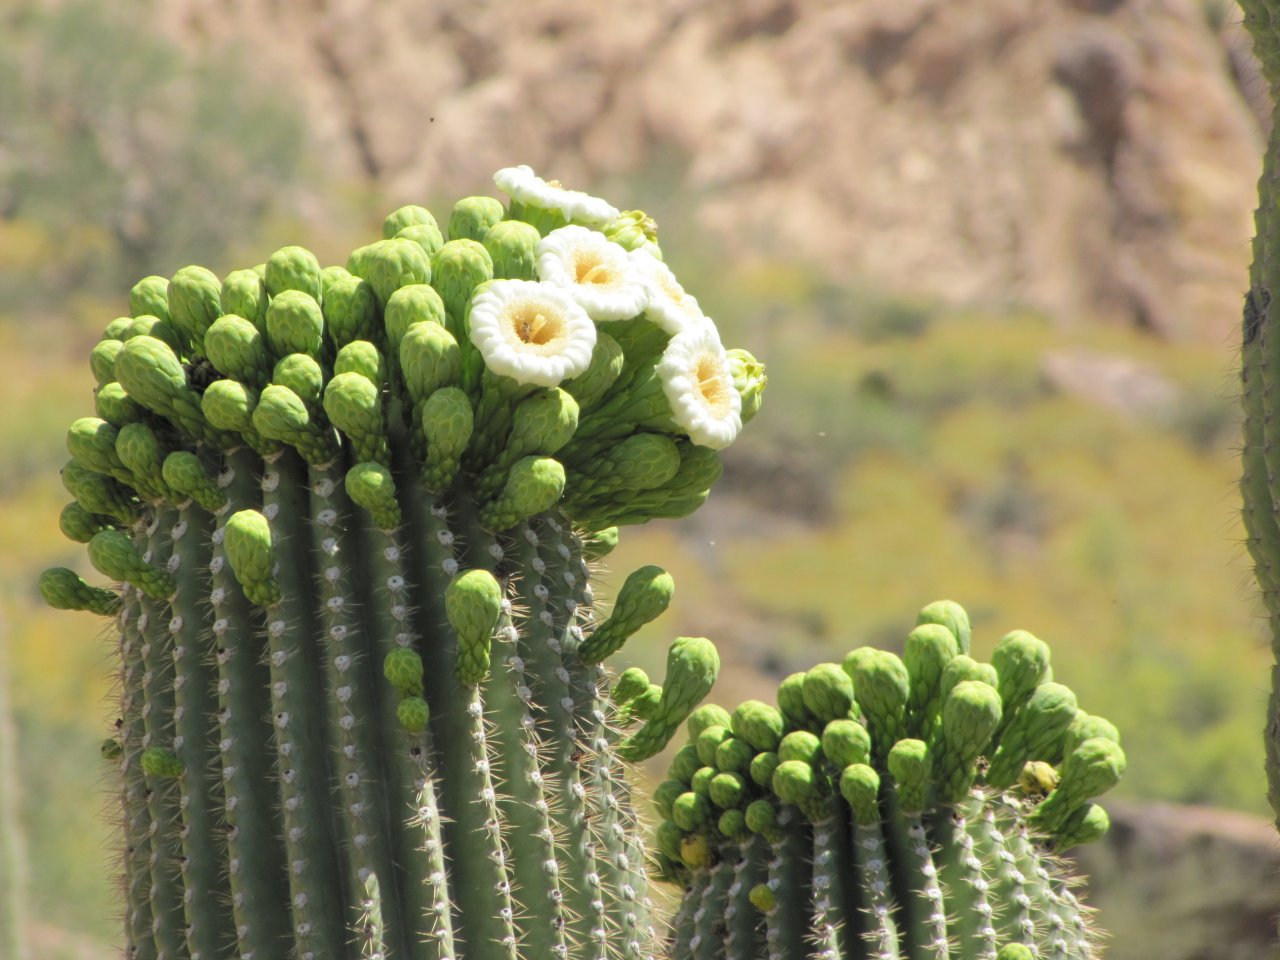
(350, 514)
(890, 808)
(1260, 367)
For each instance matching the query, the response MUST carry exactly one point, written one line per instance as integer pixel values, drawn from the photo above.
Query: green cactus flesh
(362, 709)
(851, 839)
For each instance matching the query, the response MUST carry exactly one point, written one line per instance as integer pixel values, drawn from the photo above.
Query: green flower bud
(1015, 951)
(281, 415)
(115, 330)
(150, 326)
(734, 756)
(758, 723)
(643, 598)
(195, 301)
(707, 742)
(691, 811)
(63, 589)
(511, 245)
(185, 474)
(362, 357)
(692, 667)
(351, 311)
(685, 763)
(98, 493)
(965, 667)
(1086, 824)
(237, 349)
(733, 825)
(473, 603)
(970, 718)
(667, 838)
(111, 749)
(1022, 663)
(78, 524)
(458, 268)
(113, 404)
(410, 215)
(247, 541)
(328, 277)
(846, 741)
(762, 767)
(1089, 771)
(159, 762)
(429, 359)
(114, 555)
(371, 486)
(404, 670)
(664, 796)
(301, 374)
(413, 714)
(102, 360)
(244, 294)
(447, 425)
(1036, 732)
(542, 422)
(91, 442)
(763, 898)
(800, 745)
(427, 237)
(695, 852)
(229, 405)
(762, 818)
(150, 297)
(142, 453)
(354, 405)
(1085, 727)
(409, 306)
(643, 461)
(295, 324)
(928, 650)
(600, 544)
(473, 217)
(630, 684)
(795, 781)
(828, 692)
(946, 613)
(882, 687)
(791, 702)
(154, 376)
(633, 230)
(389, 265)
(728, 790)
(701, 782)
(1038, 779)
(860, 787)
(607, 362)
(749, 380)
(293, 268)
(533, 485)
(643, 706)
(909, 764)
(706, 716)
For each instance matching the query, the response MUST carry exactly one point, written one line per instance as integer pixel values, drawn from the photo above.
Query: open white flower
(599, 274)
(531, 332)
(669, 306)
(698, 382)
(524, 186)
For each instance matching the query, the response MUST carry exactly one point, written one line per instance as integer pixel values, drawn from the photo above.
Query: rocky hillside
(1087, 158)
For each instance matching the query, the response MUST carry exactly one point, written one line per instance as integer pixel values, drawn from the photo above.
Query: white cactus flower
(531, 332)
(524, 186)
(698, 382)
(669, 306)
(598, 273)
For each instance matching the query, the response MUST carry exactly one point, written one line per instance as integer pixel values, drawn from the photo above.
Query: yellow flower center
(713, 384)
(588, 268)
(534, 327)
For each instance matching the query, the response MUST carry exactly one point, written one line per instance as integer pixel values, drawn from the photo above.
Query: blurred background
(992, 251)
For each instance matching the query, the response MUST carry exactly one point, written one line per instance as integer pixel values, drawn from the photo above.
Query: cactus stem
(872, 857)
(706, 943)
(683, 925)
(967, 886)
(744, 937)
(787, 923)
(830, 923)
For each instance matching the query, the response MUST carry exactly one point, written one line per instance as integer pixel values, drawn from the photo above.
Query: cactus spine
(1260, 366)
(890, 808)
(350, 513)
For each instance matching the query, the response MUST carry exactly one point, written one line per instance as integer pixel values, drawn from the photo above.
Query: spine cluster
(889, 807)
(349, 514)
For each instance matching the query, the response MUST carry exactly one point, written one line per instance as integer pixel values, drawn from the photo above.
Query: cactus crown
(890, 807)
(348, 512)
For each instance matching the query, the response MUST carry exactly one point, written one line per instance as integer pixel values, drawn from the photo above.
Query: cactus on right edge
(890, 808)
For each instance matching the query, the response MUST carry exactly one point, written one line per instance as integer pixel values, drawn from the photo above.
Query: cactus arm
(706, 943)
(787, 922)
(871, 855)
(317, 895)
(684, 925)
(353, 735)
(919, 895)
(256, 857)
(833, 934)
(744, 935)
(1009, 883)
(162, 796)
(962, 876)
(207, 892)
